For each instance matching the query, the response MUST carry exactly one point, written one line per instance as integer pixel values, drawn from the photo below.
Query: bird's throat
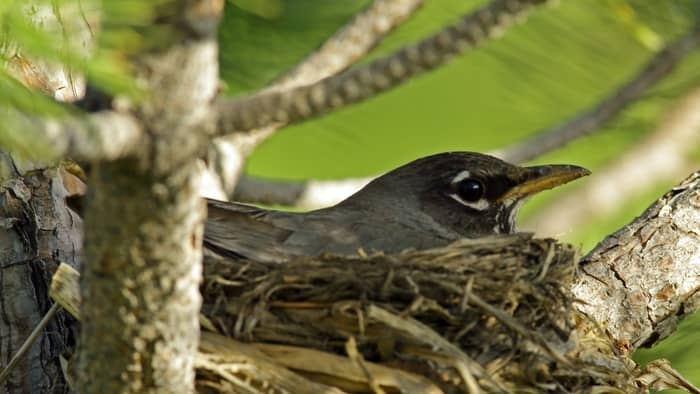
(506, 217)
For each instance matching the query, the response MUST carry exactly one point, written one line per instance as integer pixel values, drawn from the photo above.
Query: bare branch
(227, 155)
(548, 140)
(641, 280)
(354, 85)
(105, 135)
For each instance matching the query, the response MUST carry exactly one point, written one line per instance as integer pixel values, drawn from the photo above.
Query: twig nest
(491, 315)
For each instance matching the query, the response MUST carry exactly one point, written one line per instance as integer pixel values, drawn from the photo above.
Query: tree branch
(641, 280)
(658, 67)
(263, 109)
(350, 43)
(105, 135)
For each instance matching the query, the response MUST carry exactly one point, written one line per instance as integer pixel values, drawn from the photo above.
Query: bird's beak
(545, 177)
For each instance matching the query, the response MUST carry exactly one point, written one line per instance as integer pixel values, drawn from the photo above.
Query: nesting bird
(426, 203)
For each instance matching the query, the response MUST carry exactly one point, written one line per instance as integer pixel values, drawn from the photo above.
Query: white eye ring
(461, 176)
(480, 205)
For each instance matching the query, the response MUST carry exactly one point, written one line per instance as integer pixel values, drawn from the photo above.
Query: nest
(490, 315)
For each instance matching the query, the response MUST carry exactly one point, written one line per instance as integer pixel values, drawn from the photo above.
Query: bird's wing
(238, 230)
(243, 231)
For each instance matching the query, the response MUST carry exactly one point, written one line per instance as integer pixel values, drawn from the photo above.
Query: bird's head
(469, 193)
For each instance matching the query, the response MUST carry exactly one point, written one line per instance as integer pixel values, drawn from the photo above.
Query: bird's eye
(470, 190)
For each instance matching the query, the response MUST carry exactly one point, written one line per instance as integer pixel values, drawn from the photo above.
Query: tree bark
(37, 232)
(143, 253)
(640, 281)
(143, 223)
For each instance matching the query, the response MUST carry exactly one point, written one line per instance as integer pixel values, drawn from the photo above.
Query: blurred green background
(564, 59)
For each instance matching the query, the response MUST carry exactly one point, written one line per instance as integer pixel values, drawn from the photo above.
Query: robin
(429, 202)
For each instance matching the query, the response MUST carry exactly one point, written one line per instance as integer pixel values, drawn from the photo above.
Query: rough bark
(141, 282)
(641, 280)
(144, 218)
(349, 44)
(37, 232)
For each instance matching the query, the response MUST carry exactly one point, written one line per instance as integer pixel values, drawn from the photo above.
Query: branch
(548, 140)
(348, 45)
(267, 108)
(105, 135)
(640, 281)
(306, 195)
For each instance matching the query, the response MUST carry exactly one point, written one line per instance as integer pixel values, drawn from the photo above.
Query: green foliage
(644, 20)
(267, 9)
(258, 45)
(18, 97)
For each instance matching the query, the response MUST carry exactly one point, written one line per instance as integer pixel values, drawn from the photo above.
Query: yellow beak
(545, 177)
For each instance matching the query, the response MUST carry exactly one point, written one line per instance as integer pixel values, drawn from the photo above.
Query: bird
(426, 203)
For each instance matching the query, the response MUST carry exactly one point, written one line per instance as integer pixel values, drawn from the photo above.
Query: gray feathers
(242, 231)
(411, 207)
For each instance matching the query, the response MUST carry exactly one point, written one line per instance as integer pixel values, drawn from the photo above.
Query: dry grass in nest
(493, 314)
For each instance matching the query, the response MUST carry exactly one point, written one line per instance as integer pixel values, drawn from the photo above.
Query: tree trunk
(143, 222)
(38, 232)
(141, 280)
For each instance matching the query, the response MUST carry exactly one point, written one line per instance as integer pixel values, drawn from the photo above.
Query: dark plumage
(426, 203)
